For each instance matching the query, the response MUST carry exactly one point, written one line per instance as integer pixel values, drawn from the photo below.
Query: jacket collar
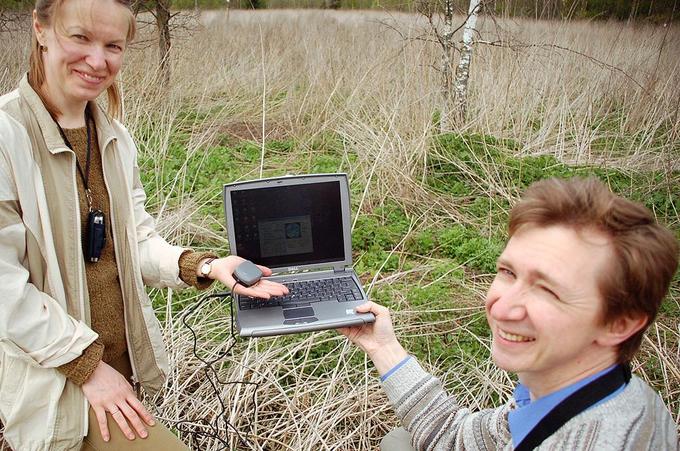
(50, 130)
(105, 133)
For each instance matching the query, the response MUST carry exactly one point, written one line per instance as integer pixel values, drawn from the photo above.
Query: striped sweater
(636, 419)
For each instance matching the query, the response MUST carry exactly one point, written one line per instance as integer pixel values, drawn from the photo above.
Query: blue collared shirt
(528, 413)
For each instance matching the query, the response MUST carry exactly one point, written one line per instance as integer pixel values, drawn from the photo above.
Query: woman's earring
(43, 48)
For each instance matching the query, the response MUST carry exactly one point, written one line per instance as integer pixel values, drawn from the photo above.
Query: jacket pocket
(15, 352)
(12, 378)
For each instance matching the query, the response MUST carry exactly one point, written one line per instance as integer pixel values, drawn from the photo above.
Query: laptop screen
(290, 225)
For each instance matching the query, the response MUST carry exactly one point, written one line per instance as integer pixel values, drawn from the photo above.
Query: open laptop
(299, 226)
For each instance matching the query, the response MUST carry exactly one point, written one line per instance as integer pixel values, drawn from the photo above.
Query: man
(582, 276)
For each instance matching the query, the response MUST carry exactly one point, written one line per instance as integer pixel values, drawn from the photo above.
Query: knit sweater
(107, 314)
(635, 419)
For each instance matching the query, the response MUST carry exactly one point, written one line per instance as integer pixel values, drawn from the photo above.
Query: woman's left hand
(223, 268)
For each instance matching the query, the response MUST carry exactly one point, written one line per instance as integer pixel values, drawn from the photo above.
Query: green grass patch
(482, 172)
(479, 167)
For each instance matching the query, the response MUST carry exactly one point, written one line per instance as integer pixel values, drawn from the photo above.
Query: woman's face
(85, 45)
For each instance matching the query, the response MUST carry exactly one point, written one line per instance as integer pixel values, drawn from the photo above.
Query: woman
(77, 330)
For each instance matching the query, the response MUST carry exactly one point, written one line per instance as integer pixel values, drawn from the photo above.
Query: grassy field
(262, 93)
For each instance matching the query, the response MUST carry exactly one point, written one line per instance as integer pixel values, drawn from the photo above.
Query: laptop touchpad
(298, 312)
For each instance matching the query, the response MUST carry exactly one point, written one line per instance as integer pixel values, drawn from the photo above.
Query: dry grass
(350, 73)
(321, 70)
(281, 394)
(306, 73)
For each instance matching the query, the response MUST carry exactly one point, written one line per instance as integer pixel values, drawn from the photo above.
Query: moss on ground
(481, 172)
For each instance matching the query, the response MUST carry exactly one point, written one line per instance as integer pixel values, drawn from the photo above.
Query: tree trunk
(463, 69)
(553, 9)
(447, 66)
(163, 26)
(632, 15)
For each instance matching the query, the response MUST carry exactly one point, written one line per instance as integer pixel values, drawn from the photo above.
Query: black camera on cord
(96, 235)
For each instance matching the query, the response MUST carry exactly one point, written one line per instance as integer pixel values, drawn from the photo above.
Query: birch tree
(454, 82)
(448, 48)
(463, 70)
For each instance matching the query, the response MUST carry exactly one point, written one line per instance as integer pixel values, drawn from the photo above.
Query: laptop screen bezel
(292, 180)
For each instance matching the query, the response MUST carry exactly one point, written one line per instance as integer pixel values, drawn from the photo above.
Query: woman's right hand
(377, 339)
(223, 270)
(108, 391)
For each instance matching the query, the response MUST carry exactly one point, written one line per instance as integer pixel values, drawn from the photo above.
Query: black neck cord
(85, 176)
(219, 427)
(572, 405)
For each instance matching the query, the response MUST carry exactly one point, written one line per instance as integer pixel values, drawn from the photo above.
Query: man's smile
(513, 337)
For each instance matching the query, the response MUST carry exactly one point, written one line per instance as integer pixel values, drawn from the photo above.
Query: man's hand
(223, 268)
(108, 391)
(377, 339)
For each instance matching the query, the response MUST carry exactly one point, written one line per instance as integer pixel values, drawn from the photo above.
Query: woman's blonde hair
(46, 11)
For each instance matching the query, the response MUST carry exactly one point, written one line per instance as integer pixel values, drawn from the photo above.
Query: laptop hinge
(292, 271)
(339, 269)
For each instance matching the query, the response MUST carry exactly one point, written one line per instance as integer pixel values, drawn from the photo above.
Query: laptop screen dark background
(289, 225)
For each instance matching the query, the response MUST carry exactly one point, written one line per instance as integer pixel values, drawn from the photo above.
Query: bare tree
(160, 10)
(163, 27)
(632, 15)
(551, 9)
(463, 69)
(167, 26)
(454, 82)
(441, 30)
(448, 49)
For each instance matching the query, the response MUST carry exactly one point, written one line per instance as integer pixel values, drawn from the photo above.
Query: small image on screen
(286, 236)
(289, 225)
(294, 229)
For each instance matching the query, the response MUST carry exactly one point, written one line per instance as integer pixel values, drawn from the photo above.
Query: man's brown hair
(646, 253)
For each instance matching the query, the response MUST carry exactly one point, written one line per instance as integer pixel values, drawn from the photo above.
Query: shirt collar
(528, 413)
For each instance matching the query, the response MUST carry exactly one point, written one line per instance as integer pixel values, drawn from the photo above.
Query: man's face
(544, 307)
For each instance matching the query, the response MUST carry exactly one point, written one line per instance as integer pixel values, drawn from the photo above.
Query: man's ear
(621, 329)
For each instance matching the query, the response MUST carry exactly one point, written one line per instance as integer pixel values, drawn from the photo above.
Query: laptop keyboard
(304, 293)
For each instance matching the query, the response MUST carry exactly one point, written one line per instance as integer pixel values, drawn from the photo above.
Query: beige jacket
(44, 314)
